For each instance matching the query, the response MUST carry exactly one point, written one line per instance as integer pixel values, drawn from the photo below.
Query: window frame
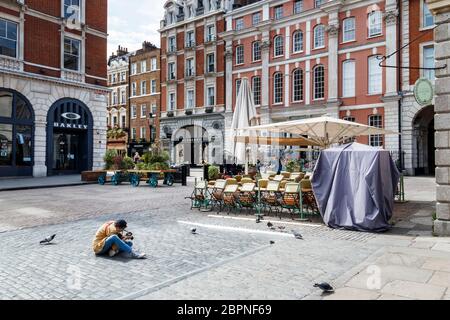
(16, 49)
(239, 24)
(344, 31)
(210, 63)
(278, 46)
(133, 111)
(278, 88)
(258, 50)
(208, 97)
(315, 36)
(72, 39)
(376, 137)
(296, 10)
(276, 13)
(187, 98)
(294, 42)
(370, 24)
(256, 93)
(295, 90)
(316, 97)
(143, 111)
(255, 22)
(239, 54)
(428, 74)
(370, 76)
(348, 94)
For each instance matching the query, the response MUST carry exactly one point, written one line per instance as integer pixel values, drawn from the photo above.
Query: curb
(46, 187)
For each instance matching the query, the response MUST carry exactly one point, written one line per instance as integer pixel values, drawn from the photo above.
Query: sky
(131, 22)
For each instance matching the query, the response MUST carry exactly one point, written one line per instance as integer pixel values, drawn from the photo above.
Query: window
(154, 108)
(172, 44)
(298, 6)
(210, 62)
(374, 23)
(133, 133)
(72, 9)
(143, 66)
(240, 54)
(211, 96)
(239, 24)
(298, 85)
(190, 39)
(238, 86)
(278, 46)
(318, 3)
(114, 78)
(256, 86)
(8, 38)
(349, 33)
(143, 111)
(348, 78)
(278, 88)
(123, 76)
(427, 17)
(319, 82)
(143, 133)
(256, 18)
(190, 99)
(189, 67)
(377, 139)
(133, 89)
(171, 71)
(172, 102)
(153, 86)
(123, 97)
(72, 54)
(278, 12)
(154, 64)
(143, 87)
(349, 118)
(375, 76)
(297, 39)
(133, 112)
(319, 36)
(256, 51)
(115, 100)
(210, 33)
(428, 62)
(133, 69)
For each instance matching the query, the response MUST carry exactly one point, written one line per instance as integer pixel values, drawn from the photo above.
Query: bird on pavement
(281, 227)
(269, 224)
(194, 231)
(325, 287)
(297, 235)
(48, 239)
(272, 242)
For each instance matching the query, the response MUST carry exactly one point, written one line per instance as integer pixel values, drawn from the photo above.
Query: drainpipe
(399, 80)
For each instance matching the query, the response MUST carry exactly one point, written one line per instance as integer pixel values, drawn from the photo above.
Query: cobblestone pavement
(230, 258)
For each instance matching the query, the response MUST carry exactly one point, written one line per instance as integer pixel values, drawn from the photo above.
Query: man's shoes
(136, 255)
(112, 252)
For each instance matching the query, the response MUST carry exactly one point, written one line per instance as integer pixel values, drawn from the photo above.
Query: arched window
(16, 134)
(297, 78)
(256, 51)
(278, 46)
(319, 36)
(319, 82)
(297, 40)
(278, 87)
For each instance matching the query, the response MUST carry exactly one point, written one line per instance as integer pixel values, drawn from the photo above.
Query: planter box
(90, 176)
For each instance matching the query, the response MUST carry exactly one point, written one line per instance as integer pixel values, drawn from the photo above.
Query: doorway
(423, 142)
(68, 154)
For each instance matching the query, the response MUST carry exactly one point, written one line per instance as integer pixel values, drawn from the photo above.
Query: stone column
(333, 40)
(441, 10)
(40, 138)
(229, 76)
(265, 47)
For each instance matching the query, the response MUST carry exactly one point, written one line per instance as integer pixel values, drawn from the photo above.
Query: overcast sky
(133, 21)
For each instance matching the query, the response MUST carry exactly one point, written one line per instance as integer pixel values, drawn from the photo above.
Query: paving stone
(352, 294)
(441, 279)
(413, 290)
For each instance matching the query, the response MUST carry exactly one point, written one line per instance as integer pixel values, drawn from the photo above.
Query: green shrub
(293, 166)
(213, 172)
(158, 166)
(128, 163)
(109, 158)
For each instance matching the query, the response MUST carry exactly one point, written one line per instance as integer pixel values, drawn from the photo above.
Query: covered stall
(355, 186)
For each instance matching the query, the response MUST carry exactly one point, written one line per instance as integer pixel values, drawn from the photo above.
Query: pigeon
(281, 227)
(48, 239)
(297, 235)
(325, 287)
(194, 231)
(272, 242)
(269, 224)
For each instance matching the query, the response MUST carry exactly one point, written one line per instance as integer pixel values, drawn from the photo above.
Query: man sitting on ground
(109, 240)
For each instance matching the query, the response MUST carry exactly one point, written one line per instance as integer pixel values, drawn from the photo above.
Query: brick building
(193, 80)
(145, 97)
(52, 86)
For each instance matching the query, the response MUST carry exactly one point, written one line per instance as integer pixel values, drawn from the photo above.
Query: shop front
(69, 138)
(16, 134)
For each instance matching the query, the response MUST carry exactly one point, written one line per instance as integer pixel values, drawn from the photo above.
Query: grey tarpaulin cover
(355, 185)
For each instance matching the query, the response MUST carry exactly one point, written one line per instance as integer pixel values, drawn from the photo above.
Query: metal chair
(217, 194)
(271, 197)
(230, 195)
(247, 196)
(291, 199)
(309, 199)
(200, 197)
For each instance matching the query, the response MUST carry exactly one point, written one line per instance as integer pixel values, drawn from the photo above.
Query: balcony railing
(210, 38)
(72, 76)
(11, 64)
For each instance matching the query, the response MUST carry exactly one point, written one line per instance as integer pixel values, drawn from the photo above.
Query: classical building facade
(118, 99)
(52, 86)
(193, 80)
(145, 97)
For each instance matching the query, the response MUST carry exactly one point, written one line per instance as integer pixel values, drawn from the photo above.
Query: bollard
(184, 175)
